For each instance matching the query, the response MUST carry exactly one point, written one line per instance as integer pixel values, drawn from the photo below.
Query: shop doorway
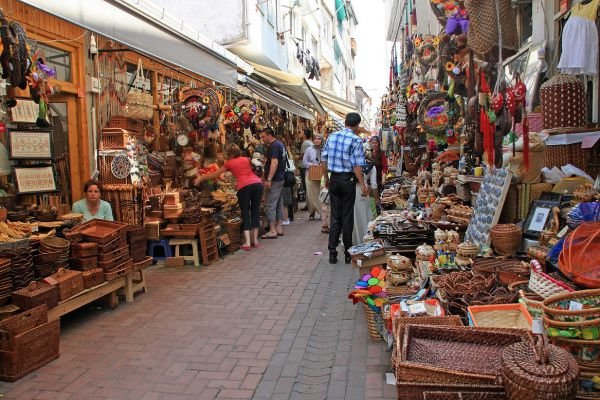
(63, 110)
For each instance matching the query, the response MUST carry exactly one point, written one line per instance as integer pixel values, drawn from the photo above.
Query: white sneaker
(286, 222)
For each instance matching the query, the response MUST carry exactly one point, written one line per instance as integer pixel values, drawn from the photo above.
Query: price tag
(537, 327)
(359, 263)
(575, 306)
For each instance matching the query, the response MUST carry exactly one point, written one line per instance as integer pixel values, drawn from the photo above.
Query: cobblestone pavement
(272, 323)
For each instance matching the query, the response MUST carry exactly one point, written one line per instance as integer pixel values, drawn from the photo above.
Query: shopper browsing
(312, 156)
(343, 157)
(274, 181)
(308, 134)
(363, 213)
(249, 192)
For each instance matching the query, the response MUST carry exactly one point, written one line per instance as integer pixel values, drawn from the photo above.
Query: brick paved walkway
(273, 323)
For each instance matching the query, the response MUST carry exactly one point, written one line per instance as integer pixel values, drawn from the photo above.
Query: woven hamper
(483, 34)
(563, 102)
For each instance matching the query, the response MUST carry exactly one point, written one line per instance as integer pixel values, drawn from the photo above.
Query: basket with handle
(372, 323)
(538, 371)
(315, 172)
(543, 284)
(139, 103)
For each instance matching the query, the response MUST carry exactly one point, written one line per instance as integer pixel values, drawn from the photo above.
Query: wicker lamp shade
(483, 35)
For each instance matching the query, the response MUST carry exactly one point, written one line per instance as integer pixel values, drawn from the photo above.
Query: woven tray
(453, 354)
(417, 390)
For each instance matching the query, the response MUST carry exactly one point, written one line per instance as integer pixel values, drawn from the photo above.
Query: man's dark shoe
(347, 258)
(332, 258)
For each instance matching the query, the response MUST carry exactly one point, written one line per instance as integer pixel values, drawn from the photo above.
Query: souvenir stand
(479, 271)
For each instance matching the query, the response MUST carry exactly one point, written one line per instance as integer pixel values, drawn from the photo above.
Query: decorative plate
(120, 166)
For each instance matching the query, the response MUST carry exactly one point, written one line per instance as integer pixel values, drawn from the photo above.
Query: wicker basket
(29, 342)
(417, 390)
(453, 354)
(133, 126)
(483, 35)
(500, 316)
(114, 139)
(367, 250)
(372, 323)
(559, 155)
(545, 373)
(106, 175)
(69, 282)
(585, 352)
(560, 310)
(400, 323)
(506, 239)
(93, 277)
(543, 284)
(35, 294)
(436, 395)
(563, 102)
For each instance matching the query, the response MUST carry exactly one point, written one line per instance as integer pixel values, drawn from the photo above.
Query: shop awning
(145, 31)
(338, 122)
(337, 104)
(294, 86)
(278, 99)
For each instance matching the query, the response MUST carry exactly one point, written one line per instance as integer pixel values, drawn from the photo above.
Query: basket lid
(520, 362)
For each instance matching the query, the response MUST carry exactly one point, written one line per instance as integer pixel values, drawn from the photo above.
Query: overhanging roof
(294, 86)
(337, 104)
(277, 99)
(138, 29)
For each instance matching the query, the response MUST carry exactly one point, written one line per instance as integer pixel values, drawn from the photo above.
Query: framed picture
(538, 217)
(30, 145)
(36, 179)
(25, 111)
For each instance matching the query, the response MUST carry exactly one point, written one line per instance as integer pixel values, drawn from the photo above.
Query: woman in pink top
(249, 192)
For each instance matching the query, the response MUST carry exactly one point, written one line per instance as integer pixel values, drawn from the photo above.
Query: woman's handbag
(289, 177)
(315, 172)
(139, 104)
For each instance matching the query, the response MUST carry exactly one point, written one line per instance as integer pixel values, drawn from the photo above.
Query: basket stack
(29, 342)
(233, 228)
(36, 294)
(21, 265)
(572, 321)
(69, 282)
(538, 374)
(506, 239)
(5, 281)
(137, 239)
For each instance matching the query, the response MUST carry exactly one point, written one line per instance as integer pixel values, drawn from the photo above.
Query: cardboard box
(370, 262)
(177, 262)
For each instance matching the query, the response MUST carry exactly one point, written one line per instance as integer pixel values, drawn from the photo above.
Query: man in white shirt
(305, 145)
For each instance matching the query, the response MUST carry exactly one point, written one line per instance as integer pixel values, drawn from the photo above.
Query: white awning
(294, 86)
(278, 99)
(141, 30)
(337, 104)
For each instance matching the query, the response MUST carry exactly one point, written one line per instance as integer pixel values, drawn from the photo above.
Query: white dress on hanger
(580, 41)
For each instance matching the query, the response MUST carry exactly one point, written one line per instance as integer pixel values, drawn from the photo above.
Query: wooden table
(89, 295)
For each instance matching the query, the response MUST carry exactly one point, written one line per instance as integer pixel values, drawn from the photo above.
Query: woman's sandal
(269, 236)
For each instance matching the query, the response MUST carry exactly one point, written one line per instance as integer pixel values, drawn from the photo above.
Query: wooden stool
(133, 283)
(187, 242)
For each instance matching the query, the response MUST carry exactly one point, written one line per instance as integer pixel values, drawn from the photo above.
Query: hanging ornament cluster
(427, 49)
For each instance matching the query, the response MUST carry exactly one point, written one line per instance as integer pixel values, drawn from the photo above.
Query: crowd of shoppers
(341, 176)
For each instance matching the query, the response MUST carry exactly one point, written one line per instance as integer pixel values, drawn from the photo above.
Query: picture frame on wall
(537, 220)
(26, 111)
(35, 179)
(30, 144)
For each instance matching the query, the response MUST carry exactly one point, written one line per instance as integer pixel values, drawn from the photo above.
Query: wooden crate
(208, 245)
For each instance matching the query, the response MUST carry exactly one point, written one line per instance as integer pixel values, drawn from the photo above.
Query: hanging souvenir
(426, 47)
(436, 113)
(401, 112)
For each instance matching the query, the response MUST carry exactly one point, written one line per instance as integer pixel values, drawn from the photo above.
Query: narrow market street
(273, 323)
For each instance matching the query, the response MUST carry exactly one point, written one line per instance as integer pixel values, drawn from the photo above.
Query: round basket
(506, 239)
(54, 243)
(538, 374)
(372, 323)
(560, 310)
(467, 249)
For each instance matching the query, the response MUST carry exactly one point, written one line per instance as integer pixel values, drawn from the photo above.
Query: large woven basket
(506, 239)
(453, 354)
(547, 373)
(372, 323)
(483, 35)
(418, 391)
(563, 102)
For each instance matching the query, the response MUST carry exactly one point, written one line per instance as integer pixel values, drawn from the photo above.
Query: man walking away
(274, 180)
(305, 145)
(343, 157)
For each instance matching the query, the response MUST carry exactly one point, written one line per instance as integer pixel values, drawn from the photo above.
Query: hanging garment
(580, 41)
(299, 54)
